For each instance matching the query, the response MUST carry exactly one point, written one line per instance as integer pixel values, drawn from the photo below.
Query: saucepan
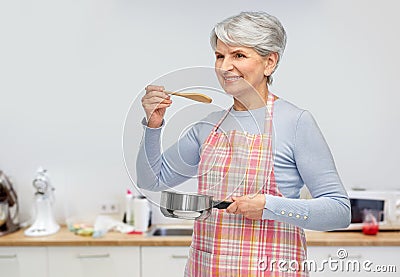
(189, 206)
(3, 212)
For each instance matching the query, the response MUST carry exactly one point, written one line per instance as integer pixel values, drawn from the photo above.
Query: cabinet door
(355, 261)
(23, 261)
(164, 261)
(94, 261)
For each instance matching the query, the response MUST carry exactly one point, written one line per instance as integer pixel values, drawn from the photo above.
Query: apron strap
(269, 113)
(268, 125)
(221, 120)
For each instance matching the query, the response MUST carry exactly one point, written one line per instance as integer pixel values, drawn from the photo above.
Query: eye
(239, 55)
(219, 56)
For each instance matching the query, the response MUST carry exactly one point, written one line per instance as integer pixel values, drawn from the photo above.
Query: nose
(226, 64)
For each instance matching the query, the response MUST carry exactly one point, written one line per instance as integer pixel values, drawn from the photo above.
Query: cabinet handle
(11, 256)
(93, 256)
(179, 256)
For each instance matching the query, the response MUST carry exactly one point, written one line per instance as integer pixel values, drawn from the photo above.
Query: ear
(271, 60)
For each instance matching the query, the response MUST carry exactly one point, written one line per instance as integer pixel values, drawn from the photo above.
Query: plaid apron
(235, 164)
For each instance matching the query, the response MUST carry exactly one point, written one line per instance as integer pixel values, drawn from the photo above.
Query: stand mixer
(44, 223)
(8, 206)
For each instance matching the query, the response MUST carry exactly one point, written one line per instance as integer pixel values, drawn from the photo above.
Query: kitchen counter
(66, 238)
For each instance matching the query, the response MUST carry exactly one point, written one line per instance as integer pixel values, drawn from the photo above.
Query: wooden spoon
(192, 95)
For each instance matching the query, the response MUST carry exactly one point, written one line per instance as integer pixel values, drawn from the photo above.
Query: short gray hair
(258, 30)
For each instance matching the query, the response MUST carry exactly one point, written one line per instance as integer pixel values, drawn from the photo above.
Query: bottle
(142, 213)
(370, 222)
(129, 209)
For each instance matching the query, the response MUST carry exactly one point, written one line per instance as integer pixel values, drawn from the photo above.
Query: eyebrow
(233, 52)
(237, 51)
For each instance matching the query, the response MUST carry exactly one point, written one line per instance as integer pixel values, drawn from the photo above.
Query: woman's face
(240, 69)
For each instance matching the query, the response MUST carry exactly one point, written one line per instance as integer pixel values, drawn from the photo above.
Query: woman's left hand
(250, 206)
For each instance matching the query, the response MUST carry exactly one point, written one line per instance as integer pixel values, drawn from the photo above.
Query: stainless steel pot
(189, 206)
(3, 212)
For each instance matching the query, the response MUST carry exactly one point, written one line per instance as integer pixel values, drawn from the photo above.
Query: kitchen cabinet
(96, 261)
(164, 261)
(65, 254)
(23, 261)
(347, 260)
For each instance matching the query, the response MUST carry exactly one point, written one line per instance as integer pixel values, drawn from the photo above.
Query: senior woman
(259, 154)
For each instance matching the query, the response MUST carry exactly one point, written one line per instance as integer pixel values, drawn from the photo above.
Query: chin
(235, 89)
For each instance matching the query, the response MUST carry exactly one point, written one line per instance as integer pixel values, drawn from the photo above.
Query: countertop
(66, 238)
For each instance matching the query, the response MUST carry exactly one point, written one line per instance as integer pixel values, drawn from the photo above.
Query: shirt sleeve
(157, 171)
(330, 207)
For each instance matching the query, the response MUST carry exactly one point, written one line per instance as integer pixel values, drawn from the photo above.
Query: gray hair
(258, 30)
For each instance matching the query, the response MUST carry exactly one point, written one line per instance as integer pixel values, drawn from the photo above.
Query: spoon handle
(192, 95)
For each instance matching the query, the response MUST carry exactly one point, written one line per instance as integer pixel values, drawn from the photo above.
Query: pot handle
(221, 205)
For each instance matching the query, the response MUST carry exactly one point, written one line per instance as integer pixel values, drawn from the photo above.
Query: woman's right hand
(155, 102)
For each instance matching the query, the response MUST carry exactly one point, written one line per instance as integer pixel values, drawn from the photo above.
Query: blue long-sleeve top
(302, 157)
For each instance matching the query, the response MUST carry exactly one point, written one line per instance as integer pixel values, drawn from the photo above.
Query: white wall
(70, 70)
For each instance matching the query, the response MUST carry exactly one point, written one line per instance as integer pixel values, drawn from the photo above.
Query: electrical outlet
(109, 207)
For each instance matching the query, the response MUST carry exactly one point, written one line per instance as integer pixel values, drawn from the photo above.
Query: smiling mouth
(231, 78)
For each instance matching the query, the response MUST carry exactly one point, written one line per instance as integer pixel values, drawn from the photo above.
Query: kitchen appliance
(386, 204)
(8, 206)
(189, 206)
(44, 223)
